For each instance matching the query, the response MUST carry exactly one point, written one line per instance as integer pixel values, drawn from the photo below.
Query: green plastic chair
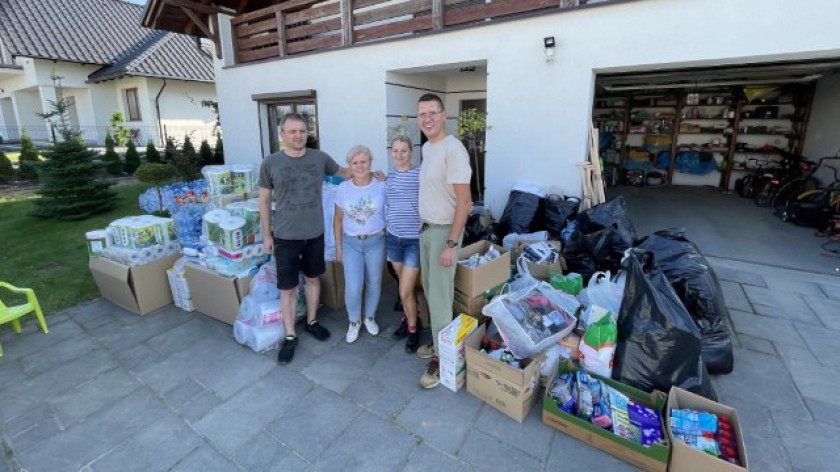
(13, 313)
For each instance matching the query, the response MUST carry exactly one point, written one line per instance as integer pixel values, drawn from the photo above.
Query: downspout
(157, 107)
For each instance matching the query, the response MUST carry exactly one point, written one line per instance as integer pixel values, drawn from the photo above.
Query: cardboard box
(216, 295)
(472, 306)
(140, 289)
(638, 156)
(541, 271)
(332, 286)
(473, 282)
(658, 141)
(512, 391)
(686, 458)
(451, 351)
(650, 458)
(180, 290)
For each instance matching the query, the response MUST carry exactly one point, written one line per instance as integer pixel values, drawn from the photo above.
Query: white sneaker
(353, 332)
(371, 326)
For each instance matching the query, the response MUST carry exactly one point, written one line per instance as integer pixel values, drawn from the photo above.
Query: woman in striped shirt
(402, 221)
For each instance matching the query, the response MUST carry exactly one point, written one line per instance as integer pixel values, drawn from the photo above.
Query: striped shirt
(402, 207)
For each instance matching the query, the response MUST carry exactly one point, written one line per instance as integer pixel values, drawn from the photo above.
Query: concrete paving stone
(368, 444)
(823, 343)
(138, 358)
(789, 352)
(442, 418)
(100, 433)
(238, 370)
(734, 296)
(334, 373)
(757, 344)
(156, 447)
(827, 309)
(316, 347)
(569, 454)
(773, 297)
(181, 336)
(25, 420)
(761, 379)
(739, 276)
(36, 435)
(399, 370)
(93, 314)
(11, 371)
(263, 453)
(823, 412)
(17, 346)
(78, 403)
(832, 291)
(182, 393)
(314, 423)
(763, 327)
(133, 334)
(199, 406)
(532, 436)
(425, 459)
(375, 397)
(811, 446)
(797, 314)
(231, 423)
(816, 382)
(204, 459)
(764, 445)
(803, 283)
(57, 354)
(488, 453)
(303, 358)
(20, 397)
(193, 360)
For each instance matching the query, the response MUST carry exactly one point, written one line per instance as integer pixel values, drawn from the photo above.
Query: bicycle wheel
(747, 186)
(765, 194)
(786, 193)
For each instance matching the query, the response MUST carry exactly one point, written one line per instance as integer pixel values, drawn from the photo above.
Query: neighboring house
(109, 62)
(357, 67)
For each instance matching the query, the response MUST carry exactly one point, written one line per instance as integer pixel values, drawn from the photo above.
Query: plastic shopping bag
(533, 318)
(259, 324)
(601, 292)
(264, 284)
(597, 345)
(571, 283)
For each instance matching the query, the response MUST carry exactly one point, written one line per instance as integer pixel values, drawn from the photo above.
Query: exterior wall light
(548, 42)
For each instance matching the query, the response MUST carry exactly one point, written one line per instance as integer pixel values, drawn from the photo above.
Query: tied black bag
(612, 213)
(521, 213)
(558, 212)
(658, 343)
(695, 282)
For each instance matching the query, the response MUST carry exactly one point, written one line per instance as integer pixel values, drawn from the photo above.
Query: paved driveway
(110, 391)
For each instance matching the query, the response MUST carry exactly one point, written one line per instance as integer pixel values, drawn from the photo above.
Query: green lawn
(50, 256)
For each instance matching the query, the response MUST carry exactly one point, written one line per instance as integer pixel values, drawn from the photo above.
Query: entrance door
(477, 184)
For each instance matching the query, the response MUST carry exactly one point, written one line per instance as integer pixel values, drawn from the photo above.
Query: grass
(50, 256)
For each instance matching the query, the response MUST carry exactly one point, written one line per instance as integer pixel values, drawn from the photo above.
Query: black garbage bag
(521, 213)
(581, 264)
(695, 282)
(605, 247)
(659, 345)
(474, 231)
(558, 212)
(612, 213)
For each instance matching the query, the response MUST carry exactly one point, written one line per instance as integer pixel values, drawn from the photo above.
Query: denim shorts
(404, 251)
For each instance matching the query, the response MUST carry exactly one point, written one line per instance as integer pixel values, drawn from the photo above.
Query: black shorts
(295, 255)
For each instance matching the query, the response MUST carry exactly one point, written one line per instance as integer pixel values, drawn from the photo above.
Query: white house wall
(539, 112)
(823, 138)
(180, 106)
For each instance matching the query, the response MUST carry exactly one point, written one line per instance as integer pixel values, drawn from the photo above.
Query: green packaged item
(570, 283)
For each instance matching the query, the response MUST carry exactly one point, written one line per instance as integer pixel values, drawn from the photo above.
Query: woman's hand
(339, 257)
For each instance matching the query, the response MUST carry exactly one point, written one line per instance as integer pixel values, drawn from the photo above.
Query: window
(132, 105)
(280, 105)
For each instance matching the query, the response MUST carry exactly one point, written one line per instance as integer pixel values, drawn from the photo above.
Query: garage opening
(713, 149)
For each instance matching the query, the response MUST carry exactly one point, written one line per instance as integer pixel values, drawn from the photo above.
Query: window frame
(127, 93)
(294, 100)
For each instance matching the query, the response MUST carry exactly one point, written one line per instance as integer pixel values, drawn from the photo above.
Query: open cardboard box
(512, 391)
(541, 271)
(216, 295)
(332, 286)
(139, 289)
(686, 458)
(473, 282)
(651, 458)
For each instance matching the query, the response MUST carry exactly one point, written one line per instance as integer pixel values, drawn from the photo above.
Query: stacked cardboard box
(471, 284)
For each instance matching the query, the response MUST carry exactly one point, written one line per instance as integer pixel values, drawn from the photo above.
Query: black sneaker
(317, 331)
(412, 342)
(402, 331)
(287, 350)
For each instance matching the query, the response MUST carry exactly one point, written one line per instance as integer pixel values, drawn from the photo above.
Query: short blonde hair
(360, 149)
(402, 139)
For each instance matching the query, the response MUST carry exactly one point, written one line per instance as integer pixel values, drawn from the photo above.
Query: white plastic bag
(264, 284)
(548, 367)
(259, 324)
(533, 318)
(509, 241)
(601, 292)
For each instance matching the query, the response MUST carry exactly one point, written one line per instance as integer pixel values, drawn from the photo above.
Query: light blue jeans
(364, 260)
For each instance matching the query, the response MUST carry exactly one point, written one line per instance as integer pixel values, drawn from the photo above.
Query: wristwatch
(451, 243)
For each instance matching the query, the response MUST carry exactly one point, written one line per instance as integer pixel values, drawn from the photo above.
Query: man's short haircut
(431, 97)
(291, 117)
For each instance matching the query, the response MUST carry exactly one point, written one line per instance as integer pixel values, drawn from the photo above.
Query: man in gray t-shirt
(296, 235)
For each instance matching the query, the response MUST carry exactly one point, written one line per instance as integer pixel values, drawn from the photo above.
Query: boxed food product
(451, 351)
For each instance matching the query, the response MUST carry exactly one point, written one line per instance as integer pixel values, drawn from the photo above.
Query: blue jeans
(364, 260)
(405, 251)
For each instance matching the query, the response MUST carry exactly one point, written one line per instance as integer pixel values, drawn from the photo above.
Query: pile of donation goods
(213, 232)
(610, 325)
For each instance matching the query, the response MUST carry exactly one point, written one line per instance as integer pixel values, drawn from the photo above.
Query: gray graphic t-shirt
(296, 184)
